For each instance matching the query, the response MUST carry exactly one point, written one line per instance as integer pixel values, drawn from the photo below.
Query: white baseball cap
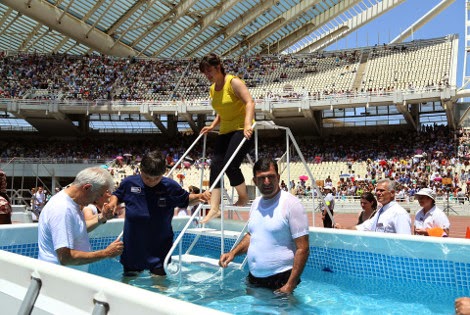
(427, 192)
(328, 187)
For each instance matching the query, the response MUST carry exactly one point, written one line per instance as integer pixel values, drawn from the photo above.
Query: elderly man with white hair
(63, 231)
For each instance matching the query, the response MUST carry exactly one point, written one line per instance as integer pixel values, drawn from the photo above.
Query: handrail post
(178, 240)
(314, 184)
(204, 146)
(29, 300)
(184, 155)
(222, 236)
(180, 236)
(101, 306)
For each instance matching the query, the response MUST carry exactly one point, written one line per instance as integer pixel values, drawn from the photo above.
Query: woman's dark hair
(371, 198)
(211, 60)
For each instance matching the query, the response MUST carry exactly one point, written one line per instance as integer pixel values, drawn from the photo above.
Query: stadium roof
(186, 28)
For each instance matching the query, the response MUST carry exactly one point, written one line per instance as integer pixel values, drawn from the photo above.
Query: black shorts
(273, 282)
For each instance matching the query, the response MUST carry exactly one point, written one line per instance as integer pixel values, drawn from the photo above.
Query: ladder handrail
(289, 136)
(314, 184)
(222, 172)
(178, 240)
(238, 240)
(198, 209)
(185, 154)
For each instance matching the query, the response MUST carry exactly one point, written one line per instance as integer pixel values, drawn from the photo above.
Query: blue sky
(392, 23)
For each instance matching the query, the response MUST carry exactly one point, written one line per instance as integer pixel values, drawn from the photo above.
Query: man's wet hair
(263, 165)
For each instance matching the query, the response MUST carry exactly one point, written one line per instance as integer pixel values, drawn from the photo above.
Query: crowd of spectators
(434, 157)
(87, 77)
(98, 77)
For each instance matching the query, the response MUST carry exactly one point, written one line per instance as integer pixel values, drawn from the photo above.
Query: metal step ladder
(179, 257)
(184, 258)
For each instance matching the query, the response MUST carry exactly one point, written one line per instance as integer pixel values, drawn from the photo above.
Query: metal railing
(178, 242)
(336, 96)
(53, 160)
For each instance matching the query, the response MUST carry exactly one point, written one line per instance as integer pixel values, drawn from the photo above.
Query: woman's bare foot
(242, 201)
(213, 213)
(242, 195)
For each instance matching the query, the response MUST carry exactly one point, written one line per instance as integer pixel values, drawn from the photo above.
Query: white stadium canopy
(187, 28)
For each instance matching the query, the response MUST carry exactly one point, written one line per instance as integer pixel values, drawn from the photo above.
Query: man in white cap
(329, 205)
(430, 219)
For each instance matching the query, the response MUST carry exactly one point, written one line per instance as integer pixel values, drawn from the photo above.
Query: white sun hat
(427, 192)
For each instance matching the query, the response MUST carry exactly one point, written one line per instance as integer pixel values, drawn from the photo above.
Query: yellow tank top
(229, 106)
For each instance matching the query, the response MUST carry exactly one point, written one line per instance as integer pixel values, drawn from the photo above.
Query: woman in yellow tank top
(235, 110)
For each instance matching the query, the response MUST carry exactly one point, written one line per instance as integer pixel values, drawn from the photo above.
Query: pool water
(320, 292)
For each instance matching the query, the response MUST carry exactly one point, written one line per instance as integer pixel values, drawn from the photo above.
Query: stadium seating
(406, 66)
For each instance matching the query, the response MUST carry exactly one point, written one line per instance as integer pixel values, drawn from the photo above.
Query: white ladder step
(214, 232)
(194, 259)
(229, 207)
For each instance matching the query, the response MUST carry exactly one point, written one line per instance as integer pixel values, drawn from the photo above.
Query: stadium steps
(360, 71)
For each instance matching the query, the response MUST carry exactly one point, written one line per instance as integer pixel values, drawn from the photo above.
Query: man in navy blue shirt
(150, 200)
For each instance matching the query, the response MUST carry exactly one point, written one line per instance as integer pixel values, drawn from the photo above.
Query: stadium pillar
(414, 111)
(172, 125)
(201, 120)
(84, 124)
(317, 116)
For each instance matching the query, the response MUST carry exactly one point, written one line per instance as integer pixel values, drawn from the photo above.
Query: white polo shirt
(433, 218)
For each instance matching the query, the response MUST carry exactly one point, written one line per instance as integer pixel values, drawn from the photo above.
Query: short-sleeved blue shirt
(148, 235)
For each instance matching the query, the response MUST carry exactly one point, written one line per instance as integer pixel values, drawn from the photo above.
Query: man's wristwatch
(101, 218)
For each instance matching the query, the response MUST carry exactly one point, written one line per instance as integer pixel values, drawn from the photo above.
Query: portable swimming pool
(347, 272)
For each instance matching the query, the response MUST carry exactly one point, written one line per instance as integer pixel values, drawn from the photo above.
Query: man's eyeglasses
(271, 178)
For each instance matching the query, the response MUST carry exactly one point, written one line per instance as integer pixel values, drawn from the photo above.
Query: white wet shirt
(273, 226)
